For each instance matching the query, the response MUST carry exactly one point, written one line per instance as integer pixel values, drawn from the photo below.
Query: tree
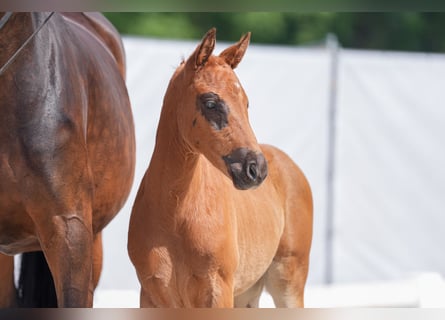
(412, 31)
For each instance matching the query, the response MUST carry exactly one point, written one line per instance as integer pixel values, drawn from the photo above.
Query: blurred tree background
(402, 31)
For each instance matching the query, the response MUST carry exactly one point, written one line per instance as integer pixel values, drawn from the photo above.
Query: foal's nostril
(252, 171)
(247, 168)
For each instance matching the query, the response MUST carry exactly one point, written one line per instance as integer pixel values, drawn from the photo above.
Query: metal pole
(333, 47)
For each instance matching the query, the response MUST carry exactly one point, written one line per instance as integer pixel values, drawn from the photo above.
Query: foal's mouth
(247, 168)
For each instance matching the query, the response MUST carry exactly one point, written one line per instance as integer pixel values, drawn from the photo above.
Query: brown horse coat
(205, 230)
(67, 148)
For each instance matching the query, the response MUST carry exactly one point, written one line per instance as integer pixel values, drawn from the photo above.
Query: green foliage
(414, 31)
(162, 25)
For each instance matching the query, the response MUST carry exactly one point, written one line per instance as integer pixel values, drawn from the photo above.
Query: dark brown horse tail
(36, 285)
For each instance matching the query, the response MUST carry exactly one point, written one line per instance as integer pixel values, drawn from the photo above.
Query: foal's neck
(173, 162)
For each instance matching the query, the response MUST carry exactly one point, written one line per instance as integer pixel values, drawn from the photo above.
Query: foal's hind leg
(7, 287)
(286, 276)
(285, 281)
(251, 297)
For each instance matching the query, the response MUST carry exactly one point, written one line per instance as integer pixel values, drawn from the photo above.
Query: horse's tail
(35, 285)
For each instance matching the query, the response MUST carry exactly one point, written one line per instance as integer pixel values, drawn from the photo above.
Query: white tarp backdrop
(389, 173)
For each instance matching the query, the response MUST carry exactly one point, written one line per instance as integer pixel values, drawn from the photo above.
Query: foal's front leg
(168, 281)
(211, 290)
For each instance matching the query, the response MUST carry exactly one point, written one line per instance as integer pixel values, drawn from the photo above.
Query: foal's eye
(210, 104)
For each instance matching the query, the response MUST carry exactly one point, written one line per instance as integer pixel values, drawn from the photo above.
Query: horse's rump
(103, 30)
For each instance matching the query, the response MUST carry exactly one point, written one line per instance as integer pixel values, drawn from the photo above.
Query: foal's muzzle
(247, 168)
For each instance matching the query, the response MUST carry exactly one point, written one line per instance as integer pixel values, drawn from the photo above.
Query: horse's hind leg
(251, 297)
(67, 244)
(97, 262)
(7, 287)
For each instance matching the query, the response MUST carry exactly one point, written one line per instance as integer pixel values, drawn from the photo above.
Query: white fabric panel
(390, 178)
(288, 94)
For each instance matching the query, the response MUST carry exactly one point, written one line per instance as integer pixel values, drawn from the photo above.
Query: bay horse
(67, 153)
(208, 228)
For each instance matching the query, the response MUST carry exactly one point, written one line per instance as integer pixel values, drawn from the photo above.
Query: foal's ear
(205, 49)
(233, 55)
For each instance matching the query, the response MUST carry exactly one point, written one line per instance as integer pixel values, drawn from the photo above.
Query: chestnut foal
(208, 229)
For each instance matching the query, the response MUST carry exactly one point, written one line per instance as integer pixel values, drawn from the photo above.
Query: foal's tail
(36, 285)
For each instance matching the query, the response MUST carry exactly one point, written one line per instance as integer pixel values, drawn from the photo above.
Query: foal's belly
(260, 227)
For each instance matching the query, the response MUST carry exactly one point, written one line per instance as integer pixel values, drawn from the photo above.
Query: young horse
(205, 230)
(67, 150)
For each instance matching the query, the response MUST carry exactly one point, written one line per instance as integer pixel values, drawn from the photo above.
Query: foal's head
(212, 112)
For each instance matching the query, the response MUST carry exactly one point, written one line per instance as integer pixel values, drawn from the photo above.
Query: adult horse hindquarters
(208, 228)
(67, 148)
